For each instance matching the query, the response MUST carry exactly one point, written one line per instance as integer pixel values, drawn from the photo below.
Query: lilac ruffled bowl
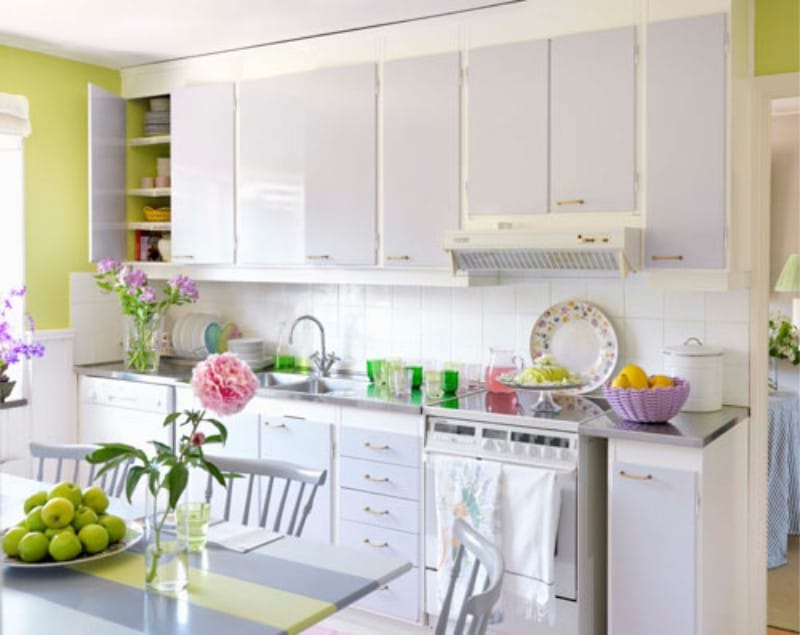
(650, 405)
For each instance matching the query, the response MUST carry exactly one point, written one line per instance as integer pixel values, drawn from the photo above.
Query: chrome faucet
(321, 360)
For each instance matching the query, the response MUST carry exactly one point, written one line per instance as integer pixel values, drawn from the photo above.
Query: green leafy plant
(784, 338)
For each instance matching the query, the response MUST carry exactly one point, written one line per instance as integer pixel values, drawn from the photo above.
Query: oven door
(566, 538)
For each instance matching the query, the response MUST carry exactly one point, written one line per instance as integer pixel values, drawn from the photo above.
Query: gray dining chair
(476, 605)
(69, 458)
(289, 483)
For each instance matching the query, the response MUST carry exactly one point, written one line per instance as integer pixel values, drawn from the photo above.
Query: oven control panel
(502, 442)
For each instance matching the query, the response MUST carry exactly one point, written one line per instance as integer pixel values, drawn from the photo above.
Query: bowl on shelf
(156, 214)
(648, 405)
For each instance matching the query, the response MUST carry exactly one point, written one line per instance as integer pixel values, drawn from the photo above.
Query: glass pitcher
(501, 362)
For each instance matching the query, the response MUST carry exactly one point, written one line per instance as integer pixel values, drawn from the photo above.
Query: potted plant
(13, 348)
(143, 310)
(784, 343)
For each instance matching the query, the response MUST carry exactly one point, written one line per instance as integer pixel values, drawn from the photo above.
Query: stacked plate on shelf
(193, 335)
(249, 350)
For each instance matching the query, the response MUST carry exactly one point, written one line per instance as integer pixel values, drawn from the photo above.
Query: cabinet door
(202, 174)
(308, 443)
(686, 68)
(106, 175)
(653, 559)
(507, 129)
(592, 114)
(271, 171)
(340, 165)
(420, 158)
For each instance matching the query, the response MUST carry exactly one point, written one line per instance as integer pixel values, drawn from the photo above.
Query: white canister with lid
(701, 366)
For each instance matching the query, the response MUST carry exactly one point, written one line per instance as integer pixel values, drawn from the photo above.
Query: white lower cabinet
(677, 551)
(379, 500)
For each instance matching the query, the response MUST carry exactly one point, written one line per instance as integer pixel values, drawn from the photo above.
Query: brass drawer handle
(267, 424)
(666, 257)
(367, 444)
(571, 201)
(636, 477)
(320, 257)
(398, 257)
(376, 545)
(367, 477)
(369, 510)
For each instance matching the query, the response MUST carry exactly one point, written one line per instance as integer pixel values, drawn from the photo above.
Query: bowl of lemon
(636, 396)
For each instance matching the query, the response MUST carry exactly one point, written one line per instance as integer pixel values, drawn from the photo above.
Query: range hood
(516, 250)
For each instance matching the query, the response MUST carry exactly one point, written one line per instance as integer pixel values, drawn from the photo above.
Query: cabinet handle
(267, 424)
(385, 479)
(319, 257)
(636, 477)
(679, 257)
(377, 545)
(385, 587)
(398, 257)
(571, 201)
(367, 444)
(182, 257)
(369, 510)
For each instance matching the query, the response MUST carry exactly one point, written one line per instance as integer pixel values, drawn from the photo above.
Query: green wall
(777, 41)
(56, 173)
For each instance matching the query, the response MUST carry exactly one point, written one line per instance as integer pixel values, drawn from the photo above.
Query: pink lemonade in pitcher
(493, 372)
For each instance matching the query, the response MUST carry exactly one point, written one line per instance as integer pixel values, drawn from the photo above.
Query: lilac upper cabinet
(202, 174)
(420, 158)
(592, 121)
(686, 124)
(507, 129)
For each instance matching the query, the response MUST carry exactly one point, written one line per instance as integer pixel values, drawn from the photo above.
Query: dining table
(283, 587)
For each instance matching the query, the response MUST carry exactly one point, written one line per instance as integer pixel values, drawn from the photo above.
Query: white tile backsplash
(445, 324)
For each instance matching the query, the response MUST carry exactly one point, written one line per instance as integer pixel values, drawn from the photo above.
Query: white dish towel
(532, 502)
(468, 489)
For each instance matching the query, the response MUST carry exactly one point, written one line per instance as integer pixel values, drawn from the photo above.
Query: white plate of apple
(66, 526)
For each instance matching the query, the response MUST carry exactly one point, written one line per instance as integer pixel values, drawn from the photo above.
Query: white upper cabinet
(593, 123)
(507, 129)
(106, 175)
(202, 174)
(686, 124)
(340, 165)
(421, 132)
(271, 174)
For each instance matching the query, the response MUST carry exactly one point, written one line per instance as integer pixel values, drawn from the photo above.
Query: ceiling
(121, 33)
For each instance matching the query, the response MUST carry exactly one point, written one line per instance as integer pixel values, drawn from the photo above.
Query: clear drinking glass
(193, 518)
(433, 385)
(402, 378)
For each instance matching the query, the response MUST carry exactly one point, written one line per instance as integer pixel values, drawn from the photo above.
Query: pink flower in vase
(224, 383)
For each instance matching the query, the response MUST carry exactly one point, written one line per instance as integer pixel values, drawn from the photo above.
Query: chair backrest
(477, 605)
(279, 479)
(68, 461)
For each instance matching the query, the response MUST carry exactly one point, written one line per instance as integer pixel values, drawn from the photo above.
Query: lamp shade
(789, 280)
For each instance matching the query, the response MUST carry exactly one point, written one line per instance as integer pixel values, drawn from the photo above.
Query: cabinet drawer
(376, 445)
(398, 598)
(379, 478)
(385, 542)
(132, 395)
(381, 511)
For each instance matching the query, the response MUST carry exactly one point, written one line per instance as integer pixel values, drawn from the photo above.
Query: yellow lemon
(636, 376)
(620, 381)
(661, 381)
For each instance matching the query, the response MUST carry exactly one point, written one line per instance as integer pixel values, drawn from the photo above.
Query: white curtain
(14, 115)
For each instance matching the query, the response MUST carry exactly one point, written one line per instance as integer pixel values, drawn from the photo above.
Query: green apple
(83, 516)
(95, 498)
(65, 546)
(114, 525)
(34, 520)
(67, 490)
(51, 533)
(94, 537)
(11, 540)
(33, 546)
(57, 512)
(34, 500)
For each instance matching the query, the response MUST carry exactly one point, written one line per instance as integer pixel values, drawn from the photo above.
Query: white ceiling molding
(14, 118)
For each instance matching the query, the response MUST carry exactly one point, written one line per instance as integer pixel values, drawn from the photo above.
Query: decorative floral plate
(581, 338)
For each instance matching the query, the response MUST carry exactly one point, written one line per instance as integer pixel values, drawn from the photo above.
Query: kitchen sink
(272, 379)
(320, 386)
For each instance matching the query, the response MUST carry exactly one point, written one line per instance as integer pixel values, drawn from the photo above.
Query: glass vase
(141, 342)
(772, 380)
(166, 558)
(6, 388)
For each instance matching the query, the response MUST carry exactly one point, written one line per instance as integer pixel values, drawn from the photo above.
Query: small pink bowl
(650, 405)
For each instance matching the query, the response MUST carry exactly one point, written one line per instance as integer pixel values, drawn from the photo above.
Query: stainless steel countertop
(688, 429)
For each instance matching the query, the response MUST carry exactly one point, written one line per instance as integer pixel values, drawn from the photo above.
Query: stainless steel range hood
(515, 250)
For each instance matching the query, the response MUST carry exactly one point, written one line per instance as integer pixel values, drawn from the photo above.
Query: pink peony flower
(224, 383)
